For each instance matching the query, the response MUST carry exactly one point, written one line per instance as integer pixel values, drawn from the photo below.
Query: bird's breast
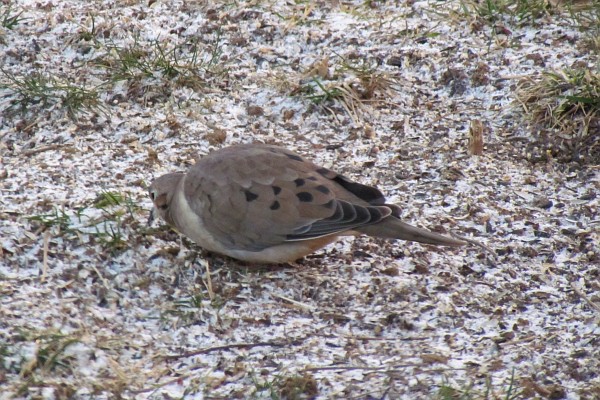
(192, 225)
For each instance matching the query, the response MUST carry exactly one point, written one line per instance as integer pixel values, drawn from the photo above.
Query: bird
(261, 203)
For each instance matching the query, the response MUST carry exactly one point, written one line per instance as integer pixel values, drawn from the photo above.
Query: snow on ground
(96, 305)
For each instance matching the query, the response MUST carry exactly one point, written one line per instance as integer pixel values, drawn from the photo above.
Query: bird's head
(161, 193)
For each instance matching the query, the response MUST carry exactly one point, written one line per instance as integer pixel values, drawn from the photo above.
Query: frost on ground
(94, 304)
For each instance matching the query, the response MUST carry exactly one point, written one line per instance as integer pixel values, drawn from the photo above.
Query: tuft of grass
(39, 90)
(518, 12)
(269, 387)
(293, 387)
(8, 18)
(116, 212)
(193, 302)
(184, 64)
(56, 218)
(371, 80)
(353, 85)
(89, 34)
(49, 353)
(564, 109)
(35, 356)
(318, 92)
(187, 311)
(507, 391)
(586, 17)
(360, 10)
(302, 15)
(117, 209)
(149, 69)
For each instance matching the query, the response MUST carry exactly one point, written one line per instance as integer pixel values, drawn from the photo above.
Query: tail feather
(393, 228)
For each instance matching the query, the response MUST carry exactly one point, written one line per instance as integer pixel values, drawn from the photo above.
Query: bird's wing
(251, 197)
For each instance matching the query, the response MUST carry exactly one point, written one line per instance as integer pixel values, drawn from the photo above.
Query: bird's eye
(152, 195)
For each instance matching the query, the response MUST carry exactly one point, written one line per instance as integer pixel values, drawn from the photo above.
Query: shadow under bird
(265, 204)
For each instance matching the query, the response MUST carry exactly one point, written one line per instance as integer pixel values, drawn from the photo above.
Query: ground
(100, 97)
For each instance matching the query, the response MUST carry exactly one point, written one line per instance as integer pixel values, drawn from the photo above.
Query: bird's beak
(151, 216)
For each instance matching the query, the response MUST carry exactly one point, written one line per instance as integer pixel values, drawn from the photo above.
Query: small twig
(370, 338)
(382, 369)
(42, 149)
(437, 119)
(579, 293)
(488, 284)
(478, 244)
(357, 368)
(294, 302)
(467, 215)
(208, 283)
(153, 388)
(104, 281)
(526, 339)
(6, 133)
(45, 256)
(512, 77)
(207, 350)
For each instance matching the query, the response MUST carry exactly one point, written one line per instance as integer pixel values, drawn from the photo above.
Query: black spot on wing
(323, 171)
(250, 196)
(304, 197)
(299, 182)
(312, 178)
(275, 205)
(276, 190)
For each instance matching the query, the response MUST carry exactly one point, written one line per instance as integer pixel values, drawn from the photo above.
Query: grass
(318, 92)
(187, 311)
(302, 15)
(512, 11)
(40, 90)
(46, 360)
(50, 352)
(89, 34)
(509, 391)
(293, 387)
(519, 10)
(563, 107)
(55, 218)
(149, 68)
(8, 18)
(586, 17)
(353, 85)
(47, 365)
(185, 64)
(117, 211)
(361, 10)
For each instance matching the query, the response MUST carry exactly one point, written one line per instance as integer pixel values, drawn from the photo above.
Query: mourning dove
(266, 204)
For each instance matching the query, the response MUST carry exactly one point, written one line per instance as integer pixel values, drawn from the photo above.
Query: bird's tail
(393, 228)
